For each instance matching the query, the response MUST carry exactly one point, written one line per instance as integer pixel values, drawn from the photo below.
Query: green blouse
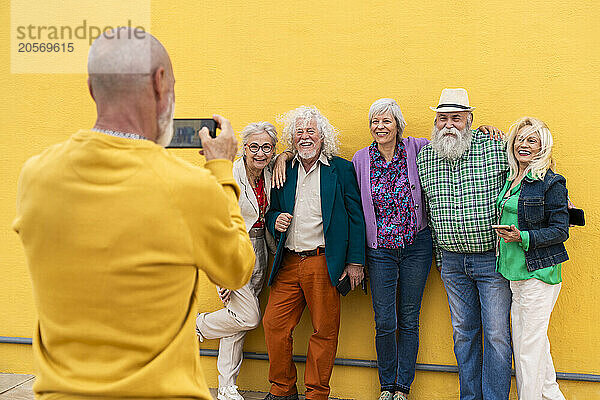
(511, 261)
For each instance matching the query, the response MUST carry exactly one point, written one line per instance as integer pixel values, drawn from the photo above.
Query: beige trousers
(532, 304)
(241, 314)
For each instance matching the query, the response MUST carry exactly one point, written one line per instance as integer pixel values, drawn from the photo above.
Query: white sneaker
(229, 393)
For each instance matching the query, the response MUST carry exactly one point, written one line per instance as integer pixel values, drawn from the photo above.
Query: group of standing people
(116, 230)
(402, 199)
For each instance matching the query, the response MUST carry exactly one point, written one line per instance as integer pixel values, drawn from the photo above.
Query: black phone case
(343, 286)
(576, 217)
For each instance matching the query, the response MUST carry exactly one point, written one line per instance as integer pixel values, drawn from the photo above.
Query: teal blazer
(343, 219)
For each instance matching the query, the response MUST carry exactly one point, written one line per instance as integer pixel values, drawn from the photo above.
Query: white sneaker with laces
(229, 393)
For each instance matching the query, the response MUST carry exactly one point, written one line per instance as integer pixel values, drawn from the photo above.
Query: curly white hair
(303, 115)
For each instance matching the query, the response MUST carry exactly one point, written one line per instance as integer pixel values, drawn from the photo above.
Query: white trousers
(532, 304)
(241, 314)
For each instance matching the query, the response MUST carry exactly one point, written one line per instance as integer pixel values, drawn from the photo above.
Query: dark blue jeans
(398, 279)
(479, 298)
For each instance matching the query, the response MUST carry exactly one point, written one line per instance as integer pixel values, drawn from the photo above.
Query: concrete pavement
(19, 387)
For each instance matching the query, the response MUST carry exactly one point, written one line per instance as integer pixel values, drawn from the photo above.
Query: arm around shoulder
(421, 142)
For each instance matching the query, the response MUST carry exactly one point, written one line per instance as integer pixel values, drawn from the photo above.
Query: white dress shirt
(306, 229)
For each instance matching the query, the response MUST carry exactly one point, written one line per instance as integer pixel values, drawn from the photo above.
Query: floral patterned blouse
(392, 199)
(263, 204)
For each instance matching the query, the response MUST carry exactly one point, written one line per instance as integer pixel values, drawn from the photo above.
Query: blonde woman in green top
(533, 224)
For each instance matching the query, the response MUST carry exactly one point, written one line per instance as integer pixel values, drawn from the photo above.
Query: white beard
(308, 154)
(450, 147)
(165, 124)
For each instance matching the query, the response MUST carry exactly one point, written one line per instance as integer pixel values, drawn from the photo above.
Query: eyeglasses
(255, 147)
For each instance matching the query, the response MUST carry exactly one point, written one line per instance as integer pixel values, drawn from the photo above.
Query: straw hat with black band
(453, 100)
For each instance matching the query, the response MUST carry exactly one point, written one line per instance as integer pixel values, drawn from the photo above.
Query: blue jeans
(479, 297)
(398, 279)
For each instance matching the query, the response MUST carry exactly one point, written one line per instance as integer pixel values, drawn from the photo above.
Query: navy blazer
(343, 219)
(542, 211)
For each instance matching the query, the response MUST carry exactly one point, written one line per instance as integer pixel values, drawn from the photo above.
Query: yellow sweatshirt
(115, 231)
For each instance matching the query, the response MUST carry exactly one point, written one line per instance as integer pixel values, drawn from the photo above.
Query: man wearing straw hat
(462, 172)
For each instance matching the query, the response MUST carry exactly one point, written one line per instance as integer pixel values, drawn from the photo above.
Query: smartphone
(185, 132)
(501, 226)
(576, 217)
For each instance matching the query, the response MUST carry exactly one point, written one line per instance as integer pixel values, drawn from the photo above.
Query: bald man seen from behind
(116, 231)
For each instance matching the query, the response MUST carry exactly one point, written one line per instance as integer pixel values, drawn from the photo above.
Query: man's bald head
(122, 61)
(132, 83)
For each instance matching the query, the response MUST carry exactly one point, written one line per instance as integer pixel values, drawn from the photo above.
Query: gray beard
(450, 147)
(307, 155)
(165, 124)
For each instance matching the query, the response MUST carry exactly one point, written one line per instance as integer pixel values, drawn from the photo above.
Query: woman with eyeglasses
(534, 223)
(252, 173)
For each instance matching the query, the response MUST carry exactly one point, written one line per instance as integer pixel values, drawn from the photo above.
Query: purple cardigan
(362, 165)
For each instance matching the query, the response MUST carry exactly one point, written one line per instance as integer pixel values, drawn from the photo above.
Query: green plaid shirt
(461, 194)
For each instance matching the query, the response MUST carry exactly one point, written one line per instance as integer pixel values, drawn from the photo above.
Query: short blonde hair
(543, 161)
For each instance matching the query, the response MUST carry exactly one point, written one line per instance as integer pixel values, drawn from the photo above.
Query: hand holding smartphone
(501, 227)
(185, 132)
(222, 147)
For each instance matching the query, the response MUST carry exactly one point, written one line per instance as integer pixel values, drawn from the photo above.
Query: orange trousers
(302, 281)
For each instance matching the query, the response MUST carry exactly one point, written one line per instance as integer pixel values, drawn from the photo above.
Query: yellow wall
(251, 60)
